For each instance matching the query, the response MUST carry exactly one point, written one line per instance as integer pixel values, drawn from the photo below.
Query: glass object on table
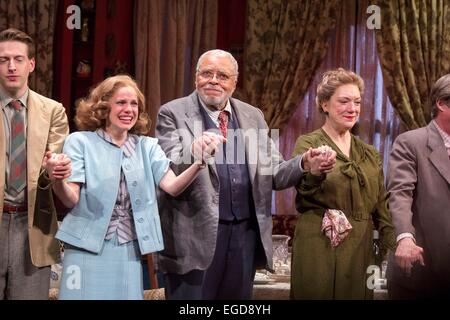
(281, 261)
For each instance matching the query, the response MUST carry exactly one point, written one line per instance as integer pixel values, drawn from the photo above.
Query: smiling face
(215, 80)
(15, 67)
(124, 111)
(344, 107)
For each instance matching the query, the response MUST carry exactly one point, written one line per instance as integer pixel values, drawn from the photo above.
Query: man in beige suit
(28, 218)
(419, 188)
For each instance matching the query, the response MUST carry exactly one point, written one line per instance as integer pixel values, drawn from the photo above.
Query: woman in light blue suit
(112, 193)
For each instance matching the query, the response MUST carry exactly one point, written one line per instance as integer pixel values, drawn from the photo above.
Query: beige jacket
(47, 129)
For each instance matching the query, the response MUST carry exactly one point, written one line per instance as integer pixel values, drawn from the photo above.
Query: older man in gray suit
(219, 230)
(419, 188)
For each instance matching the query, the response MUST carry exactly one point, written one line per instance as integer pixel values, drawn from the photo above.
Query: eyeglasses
(220, 76)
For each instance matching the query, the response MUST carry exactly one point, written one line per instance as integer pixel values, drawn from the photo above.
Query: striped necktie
(223, 123)
(18, 156)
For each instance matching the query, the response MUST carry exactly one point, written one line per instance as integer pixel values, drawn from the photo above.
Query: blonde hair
(333, 79)
(93, 111)
(13, 34)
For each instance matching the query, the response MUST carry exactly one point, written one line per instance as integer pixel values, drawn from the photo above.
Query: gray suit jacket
(190, 221)
(419, 191)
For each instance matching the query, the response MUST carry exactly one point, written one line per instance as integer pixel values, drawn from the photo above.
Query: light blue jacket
(96, 164)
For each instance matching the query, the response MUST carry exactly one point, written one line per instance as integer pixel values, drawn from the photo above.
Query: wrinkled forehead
(217, 63)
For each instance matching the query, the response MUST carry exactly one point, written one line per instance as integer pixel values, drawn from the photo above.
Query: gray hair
(218, 53)
(439, 91)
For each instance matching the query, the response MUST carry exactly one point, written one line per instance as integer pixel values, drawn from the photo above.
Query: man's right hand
(206, 146)
(408, 253)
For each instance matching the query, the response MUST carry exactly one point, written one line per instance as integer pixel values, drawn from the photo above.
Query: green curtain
(413, 44)
(286, 41)
(37, 18)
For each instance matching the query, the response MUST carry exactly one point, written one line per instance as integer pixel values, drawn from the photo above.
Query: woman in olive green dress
(355, 186)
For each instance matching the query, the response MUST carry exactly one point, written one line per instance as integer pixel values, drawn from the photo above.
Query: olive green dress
(355, 186)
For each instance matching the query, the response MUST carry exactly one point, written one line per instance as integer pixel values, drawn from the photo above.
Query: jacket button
(140, 220)
(134, 183)
(138, 202)
(145, 238)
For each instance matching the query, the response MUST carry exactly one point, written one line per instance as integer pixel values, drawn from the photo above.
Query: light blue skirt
(115, 273)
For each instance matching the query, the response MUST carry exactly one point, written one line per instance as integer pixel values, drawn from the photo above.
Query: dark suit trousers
(422, 284)
(19, 278)
(230, 275)
(398, 292)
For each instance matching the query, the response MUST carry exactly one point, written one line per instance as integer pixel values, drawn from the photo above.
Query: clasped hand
(58, 166)
(204, 147)
(319, 160)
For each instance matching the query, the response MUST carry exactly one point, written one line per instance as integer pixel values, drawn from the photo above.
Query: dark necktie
(223, 122)
(18, 156)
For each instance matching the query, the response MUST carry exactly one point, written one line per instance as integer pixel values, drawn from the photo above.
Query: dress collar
(128, 147)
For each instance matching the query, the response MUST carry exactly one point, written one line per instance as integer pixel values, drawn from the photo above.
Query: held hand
(204, 147)
(306, 160)
(319, 160)
(58, 166)
(408, 253)
(47, 156)
(329, 162)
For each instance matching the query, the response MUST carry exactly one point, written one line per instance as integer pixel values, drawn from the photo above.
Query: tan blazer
(47, 128)
(419, 190)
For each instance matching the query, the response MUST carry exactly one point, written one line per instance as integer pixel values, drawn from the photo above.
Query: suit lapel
(246, 122)
(194, 119)
(194, 122)
(438, 156)
(38, 122)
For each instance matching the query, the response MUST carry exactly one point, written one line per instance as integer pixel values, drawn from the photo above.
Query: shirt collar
(214, 113)
(445, 136)
(128, 147)
(5, 99)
